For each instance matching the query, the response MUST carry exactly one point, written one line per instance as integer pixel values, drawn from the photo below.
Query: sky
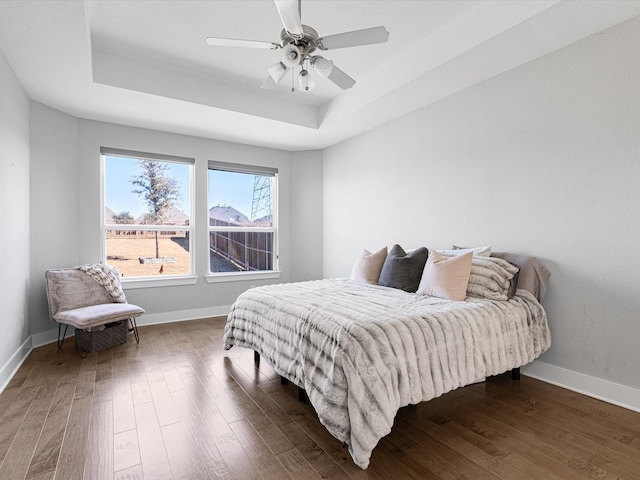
(225, 188)
(231, 189)
(119, 196)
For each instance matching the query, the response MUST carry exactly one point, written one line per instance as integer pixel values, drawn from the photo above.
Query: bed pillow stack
(533, 276)
(452, 274)
(492, 278)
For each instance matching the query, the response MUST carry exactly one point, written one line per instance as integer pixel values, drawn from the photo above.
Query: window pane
(147, 192)
(241, 251)
(133, 253)
(240, 199)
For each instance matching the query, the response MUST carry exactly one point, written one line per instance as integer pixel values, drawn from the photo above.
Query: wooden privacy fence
(247, 250)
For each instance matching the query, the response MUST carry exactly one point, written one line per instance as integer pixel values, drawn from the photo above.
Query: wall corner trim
(12, 365)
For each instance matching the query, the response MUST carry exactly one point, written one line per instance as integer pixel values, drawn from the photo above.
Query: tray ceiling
(145, 63)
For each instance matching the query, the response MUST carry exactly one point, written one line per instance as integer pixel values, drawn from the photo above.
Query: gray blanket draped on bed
(361, 352)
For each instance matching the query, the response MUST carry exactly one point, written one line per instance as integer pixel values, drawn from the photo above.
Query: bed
(363, 351)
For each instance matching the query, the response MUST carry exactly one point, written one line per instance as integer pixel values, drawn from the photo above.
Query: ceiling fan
(298, 45)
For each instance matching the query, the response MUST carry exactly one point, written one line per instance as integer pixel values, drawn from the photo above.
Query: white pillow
(368, 267)
(446, 277)
(477, 251)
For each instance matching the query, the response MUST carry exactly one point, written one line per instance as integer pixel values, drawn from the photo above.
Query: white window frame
(213, 277)
(150, 281)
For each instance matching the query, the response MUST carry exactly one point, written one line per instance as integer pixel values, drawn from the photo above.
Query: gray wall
(543, 159)
(54, 203)
(306, 215)
(14, 218)
(66, 151)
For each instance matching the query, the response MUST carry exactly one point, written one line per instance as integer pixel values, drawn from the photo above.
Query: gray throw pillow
(403, 270)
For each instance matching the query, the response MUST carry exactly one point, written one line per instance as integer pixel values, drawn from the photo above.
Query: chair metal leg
(60, 342)
(256, 359)
(134, 329)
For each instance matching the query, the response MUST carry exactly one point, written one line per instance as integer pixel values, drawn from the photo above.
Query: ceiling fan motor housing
(304, 44)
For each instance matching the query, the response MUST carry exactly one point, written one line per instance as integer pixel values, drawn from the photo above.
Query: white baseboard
(610, 392)
(12, 365)
(183, 315)
(45, 338)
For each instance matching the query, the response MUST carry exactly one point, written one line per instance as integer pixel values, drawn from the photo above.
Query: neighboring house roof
(229, 215)
(172, 217)
(109, 215)
(265, 221)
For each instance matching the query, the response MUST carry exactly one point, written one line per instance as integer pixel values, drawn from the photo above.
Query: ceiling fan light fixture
(277, 71)
(306, 82)
(290, 56)
(322, 66)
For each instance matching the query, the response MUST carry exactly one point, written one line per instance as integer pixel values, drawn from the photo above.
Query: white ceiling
(144, 63)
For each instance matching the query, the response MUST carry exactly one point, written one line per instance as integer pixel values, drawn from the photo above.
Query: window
(147, 222)
(242, 218)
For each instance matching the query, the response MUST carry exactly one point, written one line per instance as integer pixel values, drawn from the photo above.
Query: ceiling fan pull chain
(293, 81)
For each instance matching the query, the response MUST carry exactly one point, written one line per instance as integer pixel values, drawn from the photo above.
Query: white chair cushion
(94, 315)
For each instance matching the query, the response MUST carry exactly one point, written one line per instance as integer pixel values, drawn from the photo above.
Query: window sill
(149, 282)
(241, 276)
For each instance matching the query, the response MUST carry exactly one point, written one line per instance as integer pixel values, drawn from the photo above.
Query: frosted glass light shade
(290, 56)
(322, 66)
(306, 82)
(277, 71)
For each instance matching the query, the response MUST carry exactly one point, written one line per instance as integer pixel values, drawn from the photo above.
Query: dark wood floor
(178, 406)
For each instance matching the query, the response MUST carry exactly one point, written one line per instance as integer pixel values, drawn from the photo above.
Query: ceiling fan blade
(341, 79)
(232, 42)
(290, 16)
(367, 36)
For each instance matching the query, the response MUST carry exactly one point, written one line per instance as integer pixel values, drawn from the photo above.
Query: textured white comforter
(361, 352)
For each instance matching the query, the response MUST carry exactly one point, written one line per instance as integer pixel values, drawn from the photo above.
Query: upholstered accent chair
(78, 299)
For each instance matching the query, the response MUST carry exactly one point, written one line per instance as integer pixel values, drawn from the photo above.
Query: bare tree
(160, 192)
